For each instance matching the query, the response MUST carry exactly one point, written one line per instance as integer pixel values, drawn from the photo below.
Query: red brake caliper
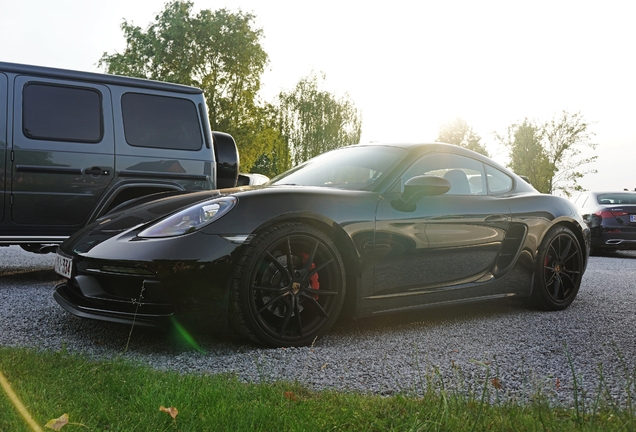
(313, 280)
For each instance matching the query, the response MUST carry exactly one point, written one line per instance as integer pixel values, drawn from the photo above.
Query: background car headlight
(191, 219)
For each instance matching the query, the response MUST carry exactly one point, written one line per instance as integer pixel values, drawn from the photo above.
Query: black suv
(74, 145)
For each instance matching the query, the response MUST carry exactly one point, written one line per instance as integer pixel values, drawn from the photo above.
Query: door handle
(95, 171)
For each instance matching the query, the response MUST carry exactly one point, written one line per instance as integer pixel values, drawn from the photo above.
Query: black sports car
(362, 230)
(611, 217)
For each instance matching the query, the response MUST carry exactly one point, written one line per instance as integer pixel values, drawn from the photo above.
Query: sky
(409, 66)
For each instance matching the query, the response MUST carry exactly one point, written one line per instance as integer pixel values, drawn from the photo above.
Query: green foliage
(313, 121)
(550, 153)
(121, 396)
(459, 133)
(566, 136)
(278, 158)
(527, 155)
(220, 52)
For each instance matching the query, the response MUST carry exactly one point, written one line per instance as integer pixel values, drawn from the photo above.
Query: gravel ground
(517, 352)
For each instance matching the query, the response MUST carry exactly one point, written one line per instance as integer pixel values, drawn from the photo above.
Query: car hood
(257, 204)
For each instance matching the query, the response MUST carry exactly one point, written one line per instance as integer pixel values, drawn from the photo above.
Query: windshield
(353, 168)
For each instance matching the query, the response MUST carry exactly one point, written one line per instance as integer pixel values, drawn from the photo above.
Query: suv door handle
(95, 171)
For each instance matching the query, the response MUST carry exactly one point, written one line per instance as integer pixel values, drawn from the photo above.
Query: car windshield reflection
(352, 168)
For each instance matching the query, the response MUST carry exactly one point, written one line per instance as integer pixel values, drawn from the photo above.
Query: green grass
(122, 396)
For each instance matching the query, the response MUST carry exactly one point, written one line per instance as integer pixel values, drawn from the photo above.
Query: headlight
(191, 219)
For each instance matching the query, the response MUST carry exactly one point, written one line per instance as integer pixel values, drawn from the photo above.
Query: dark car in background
(361, 231)
(611, 217)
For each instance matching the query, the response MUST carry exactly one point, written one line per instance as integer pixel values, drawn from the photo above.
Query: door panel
(63, 154)
(447, 240)
(3, 143)
(453, 238)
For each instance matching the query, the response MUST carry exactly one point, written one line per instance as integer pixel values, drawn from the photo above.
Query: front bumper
(150, 283)
(78, 304)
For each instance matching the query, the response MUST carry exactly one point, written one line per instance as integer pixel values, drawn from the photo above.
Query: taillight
(606, 214)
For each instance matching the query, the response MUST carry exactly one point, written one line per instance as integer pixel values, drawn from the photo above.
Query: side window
(62, 113)
(498, 181)
(465, 175)
(161, 122)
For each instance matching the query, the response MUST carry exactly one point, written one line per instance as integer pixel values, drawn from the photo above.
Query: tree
(566, 136)
(220, 52)
(313, 121)
(278, 159)
(550, 153)
(459, 133)
(527, 155)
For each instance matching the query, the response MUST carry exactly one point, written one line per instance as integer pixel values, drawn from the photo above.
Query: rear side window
(62, 113)
(580, 200)
(465, 175)
(161, 122)
(498, 181)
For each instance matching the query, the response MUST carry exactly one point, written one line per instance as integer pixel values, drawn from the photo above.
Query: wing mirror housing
(417, 187)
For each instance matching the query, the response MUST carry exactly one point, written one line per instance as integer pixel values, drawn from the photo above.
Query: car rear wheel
(289, 286)
(559, 269)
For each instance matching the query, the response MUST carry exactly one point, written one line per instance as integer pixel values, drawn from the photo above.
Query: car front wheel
(289, 286)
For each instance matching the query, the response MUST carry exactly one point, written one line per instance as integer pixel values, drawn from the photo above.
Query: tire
(558, 271)
(288, 286)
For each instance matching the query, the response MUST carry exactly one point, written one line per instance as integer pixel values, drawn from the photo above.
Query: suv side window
(161, 122)
(62, 113)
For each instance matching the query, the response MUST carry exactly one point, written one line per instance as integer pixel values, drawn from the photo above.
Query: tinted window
(62, 113)
(465, 175)
(160, 122)
(498, 181)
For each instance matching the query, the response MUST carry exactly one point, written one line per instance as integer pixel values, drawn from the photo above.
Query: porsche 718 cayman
(362, 230)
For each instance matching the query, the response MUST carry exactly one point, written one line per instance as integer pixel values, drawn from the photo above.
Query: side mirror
(417, 187)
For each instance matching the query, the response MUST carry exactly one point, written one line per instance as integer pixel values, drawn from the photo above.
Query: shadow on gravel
(117, 338)
(438, 316)
(615, 254)
(8, 276)
(120, 338)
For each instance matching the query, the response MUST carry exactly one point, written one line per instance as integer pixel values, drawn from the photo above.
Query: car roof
(437, 146)
(596, 193)
(94, 77)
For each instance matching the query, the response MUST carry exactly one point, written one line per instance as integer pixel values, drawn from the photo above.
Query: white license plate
(63, 266)
(632, 218)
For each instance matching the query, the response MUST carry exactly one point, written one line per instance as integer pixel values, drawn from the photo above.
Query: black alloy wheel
(559, 270)
(289, 286)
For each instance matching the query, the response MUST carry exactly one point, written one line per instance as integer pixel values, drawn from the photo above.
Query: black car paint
(193, 274)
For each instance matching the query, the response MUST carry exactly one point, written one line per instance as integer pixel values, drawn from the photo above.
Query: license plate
(632, 218)
(63, 266)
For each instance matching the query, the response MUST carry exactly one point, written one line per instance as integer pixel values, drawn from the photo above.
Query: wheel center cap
(295, 287)
(557, 268)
